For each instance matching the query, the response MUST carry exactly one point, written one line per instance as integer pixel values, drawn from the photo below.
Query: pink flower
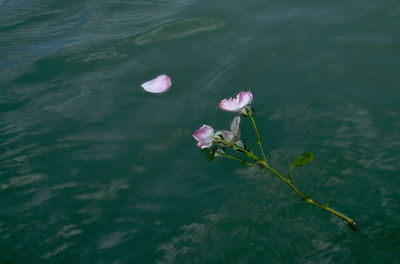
(160, 84)
(204, 136)
(237, 104)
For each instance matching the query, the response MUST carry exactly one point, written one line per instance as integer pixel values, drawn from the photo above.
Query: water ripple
(179, 29)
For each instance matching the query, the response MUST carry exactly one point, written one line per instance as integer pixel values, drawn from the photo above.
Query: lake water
(94, 170)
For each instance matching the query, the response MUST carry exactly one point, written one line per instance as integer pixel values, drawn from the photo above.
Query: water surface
(94, 170)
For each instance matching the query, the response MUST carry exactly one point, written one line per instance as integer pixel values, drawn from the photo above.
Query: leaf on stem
(219, 152)
(300, 161)
(240, 144)
(210, 153)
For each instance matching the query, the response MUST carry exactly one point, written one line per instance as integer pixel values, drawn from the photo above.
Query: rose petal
(237, 104)
(230, 104)
(235, 127)
(244, 98)
(160, 84)
(227, 135)
(204, 136)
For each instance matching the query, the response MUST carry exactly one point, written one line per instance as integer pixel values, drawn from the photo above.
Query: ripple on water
(180, 29)
(104, 192)
(115, 238)
(99, 55)
(22, 180)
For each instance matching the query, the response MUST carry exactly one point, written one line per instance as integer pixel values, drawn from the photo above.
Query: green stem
(309, 200)
(305, 198)
(250, 154)
(258, 134)
(237, 159)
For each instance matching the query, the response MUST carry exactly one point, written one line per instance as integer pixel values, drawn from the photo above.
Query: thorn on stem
(308, 200)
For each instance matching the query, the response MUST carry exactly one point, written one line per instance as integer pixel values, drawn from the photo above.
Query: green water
(94, 170)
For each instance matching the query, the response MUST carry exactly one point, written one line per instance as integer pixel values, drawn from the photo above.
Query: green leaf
(210, 156)
(209, 152)
(302, 160)
(240, 144)
(219, 152)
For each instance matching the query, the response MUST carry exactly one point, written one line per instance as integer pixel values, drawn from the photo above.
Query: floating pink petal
(160, 84)
(204, 136)
(237, 104)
